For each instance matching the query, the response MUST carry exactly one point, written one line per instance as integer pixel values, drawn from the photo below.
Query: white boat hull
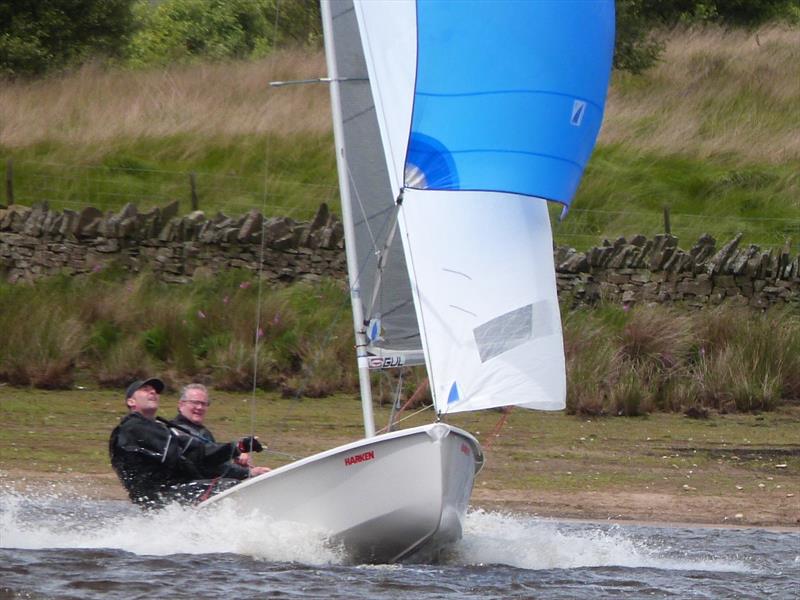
(382, 498)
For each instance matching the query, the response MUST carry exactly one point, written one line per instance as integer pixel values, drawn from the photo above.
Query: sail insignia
(374, 330)
(578, 110)
(453, 396)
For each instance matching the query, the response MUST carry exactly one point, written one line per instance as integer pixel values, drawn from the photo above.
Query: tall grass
(710, 132)
(95, 107)
(631, 362)
(109, 330)
(716, 92)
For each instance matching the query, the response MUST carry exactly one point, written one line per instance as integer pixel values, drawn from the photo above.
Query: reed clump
(656, 358)
(105, 330)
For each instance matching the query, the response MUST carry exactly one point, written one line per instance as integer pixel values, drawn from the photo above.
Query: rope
(207, 494)
(500, 424)
(257, 333)
(421, 389)
(282, 454)
(412, 415)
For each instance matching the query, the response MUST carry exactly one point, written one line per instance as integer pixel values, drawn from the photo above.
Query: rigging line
(281, 454)
(260, 272)
(411, 416)
(326, 341)
(496, 431)
(421, 389)
(396, 402)
(354, 189)
(388, 223)
(382, 256)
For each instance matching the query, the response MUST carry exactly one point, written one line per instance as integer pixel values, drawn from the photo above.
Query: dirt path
(645, 507)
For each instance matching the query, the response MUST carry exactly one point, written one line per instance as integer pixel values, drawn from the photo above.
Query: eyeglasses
(197, 403)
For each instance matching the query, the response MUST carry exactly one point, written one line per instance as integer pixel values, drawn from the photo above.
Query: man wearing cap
(153, 463)
(190, 423)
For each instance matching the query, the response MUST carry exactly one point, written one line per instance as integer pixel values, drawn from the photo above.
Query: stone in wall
(658, 270)
(37, 242)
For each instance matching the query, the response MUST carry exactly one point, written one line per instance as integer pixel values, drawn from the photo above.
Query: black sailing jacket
(183, 426)
(152, 461)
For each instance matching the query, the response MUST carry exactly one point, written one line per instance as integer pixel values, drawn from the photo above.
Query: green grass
(624, 193)
(67, 431)
(276, 175)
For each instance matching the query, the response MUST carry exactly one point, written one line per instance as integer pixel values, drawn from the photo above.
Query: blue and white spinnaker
(486, 109)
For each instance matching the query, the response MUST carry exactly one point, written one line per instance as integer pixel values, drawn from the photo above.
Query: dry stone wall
(36, 242)
(658, 271)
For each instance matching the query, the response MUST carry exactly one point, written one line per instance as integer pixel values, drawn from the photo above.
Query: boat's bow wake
(531, 543)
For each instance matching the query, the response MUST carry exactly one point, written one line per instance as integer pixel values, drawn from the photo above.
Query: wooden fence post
(667, 227)
(193, 187)
(10, 181)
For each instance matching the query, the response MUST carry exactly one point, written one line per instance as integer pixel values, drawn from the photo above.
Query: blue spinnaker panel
(509, 94)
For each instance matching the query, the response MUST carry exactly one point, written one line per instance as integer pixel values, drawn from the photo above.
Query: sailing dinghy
(454, 122)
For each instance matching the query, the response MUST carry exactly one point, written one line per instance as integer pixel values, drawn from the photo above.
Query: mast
(347, 218)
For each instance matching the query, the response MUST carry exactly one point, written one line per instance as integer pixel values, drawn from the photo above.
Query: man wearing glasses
(192, 409)
(156, 464)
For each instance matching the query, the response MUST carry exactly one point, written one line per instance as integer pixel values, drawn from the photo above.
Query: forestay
(486, 109)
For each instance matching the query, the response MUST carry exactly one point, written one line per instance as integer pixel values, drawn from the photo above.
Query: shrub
(630, 396)
(36, 37)
(42, 348)
(173, 31)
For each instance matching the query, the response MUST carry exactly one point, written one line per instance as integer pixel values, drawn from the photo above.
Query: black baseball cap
(140, 383)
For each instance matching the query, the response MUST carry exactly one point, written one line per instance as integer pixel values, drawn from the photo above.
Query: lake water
(62, 547)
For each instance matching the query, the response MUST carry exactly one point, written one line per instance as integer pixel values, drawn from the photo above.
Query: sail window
(512, 329)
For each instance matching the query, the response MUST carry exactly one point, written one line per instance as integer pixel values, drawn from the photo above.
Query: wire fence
(109, 188)
(587, 227)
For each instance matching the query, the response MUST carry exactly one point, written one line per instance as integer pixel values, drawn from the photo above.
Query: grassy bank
(661, 468)
(106, 330)
(710, 132)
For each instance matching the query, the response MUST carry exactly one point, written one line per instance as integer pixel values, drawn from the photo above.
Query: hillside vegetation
(710, 131)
